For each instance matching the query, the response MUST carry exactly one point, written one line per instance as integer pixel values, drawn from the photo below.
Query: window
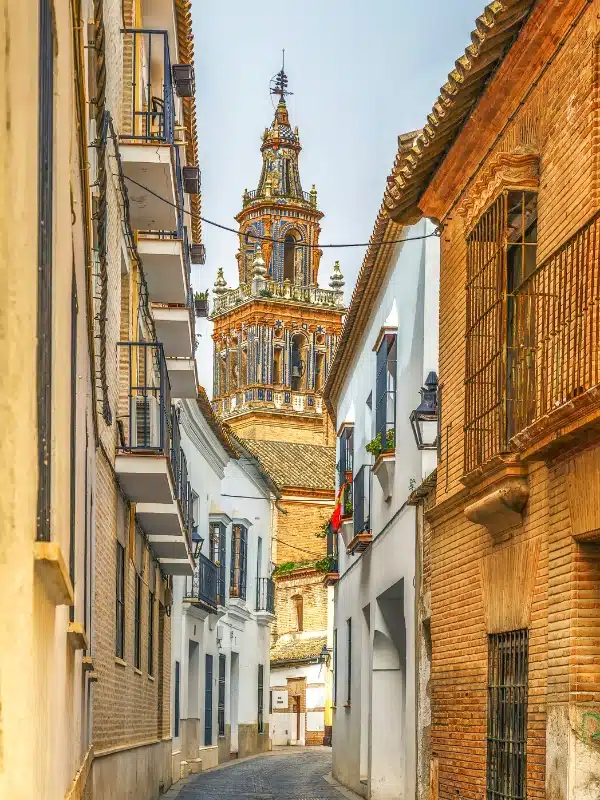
(73, 455)
(345, 464)
(47, 49)
(120, 602)
(501, 256)
(150, 633)
(349, 664)
(277, 373)
(361, 495)
(176, 703)
(221, 698)
(219, 557)
(137, 637)
(289, 255)
(507, 715)
(298, 615)
(208, 700)
(385, 393)
(299, 348)
(239, 561)
(261, 701)
(335, 670)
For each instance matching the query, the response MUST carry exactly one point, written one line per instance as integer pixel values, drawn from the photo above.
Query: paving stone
(294, 775)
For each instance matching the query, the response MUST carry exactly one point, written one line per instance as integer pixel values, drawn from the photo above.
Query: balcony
(332, 574)
(265, 600)
(201, 588)
(313, 295)
(182, 375)
(361, 493)
(175, 328)
(148, 460)
(252, 196)
(146, 143)
(165, 256)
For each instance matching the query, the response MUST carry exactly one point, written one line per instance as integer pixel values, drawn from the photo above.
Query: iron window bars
(502, 325)
(362, 500)
(150, 633)
(45, 249)
(120, 602)
(349, 663)
(239, 562)
(332, 549)
(218, 555)
(260, 698)
(385, 393)
(265, 595)
(208, 700)
(151, 105)
(202, 585)
(221, 697)
(507, 715)
(345, 464)
(137, 627)
(176, 707)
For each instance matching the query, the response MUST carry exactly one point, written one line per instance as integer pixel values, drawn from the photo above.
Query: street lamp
(197, 541)
(424, 418)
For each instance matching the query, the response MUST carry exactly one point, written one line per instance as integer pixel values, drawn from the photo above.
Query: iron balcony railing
(361, 498)
(332, 549)
(202, 586)
(149, 103)
(146, 423)
(265, 595)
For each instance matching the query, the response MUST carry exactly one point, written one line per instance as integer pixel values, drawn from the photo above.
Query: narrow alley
(290, 774)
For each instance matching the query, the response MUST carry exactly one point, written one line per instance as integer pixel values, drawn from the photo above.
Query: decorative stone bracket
(500, 508)
(384, 470)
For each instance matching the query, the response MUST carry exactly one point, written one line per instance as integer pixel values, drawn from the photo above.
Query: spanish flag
(336, 518)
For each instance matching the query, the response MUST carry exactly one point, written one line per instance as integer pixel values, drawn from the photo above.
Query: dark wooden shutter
(208, 701)
(243, 561)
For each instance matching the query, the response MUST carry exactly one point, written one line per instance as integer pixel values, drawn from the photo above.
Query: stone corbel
(502, 507)
(384, 470)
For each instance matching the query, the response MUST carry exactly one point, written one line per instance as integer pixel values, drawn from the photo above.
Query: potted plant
(201, 303)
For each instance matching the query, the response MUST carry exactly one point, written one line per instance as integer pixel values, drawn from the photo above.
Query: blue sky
(361, 72)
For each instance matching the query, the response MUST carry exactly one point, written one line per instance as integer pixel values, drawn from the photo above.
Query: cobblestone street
(285, 775)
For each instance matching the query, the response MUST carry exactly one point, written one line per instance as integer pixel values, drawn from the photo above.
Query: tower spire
(279, 82)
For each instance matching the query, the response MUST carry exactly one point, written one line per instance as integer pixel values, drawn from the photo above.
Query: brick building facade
(507, 165)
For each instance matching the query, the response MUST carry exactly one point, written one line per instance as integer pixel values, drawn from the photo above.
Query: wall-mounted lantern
(197, 542)
(424, 418)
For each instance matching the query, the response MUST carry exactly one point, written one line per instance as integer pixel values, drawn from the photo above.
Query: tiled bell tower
(275, 334)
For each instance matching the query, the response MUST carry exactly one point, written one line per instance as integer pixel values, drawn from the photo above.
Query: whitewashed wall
(374, 736)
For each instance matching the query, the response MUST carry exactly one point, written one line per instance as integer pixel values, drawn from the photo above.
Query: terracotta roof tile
(298, 649)
(215, 424)
(290, 464)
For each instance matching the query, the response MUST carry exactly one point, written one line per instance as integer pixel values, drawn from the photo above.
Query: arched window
(298, 612)
(299, 348)
(319, 371)
(234, 378)
(277, 376)
(289, 255)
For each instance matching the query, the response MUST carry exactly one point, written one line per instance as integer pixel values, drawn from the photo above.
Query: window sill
(347, 705)
(137, 671)
(151, 678)
(76, 636)
(52, 569)
(120, 661)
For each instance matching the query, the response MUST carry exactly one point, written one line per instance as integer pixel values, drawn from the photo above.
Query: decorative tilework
(287, 397)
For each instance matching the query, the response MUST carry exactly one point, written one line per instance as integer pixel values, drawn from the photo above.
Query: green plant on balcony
(201, 295)
(265, 293)
(325, 565)
(375, 446)
(348, 508)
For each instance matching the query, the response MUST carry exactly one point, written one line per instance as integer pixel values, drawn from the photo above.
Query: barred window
(385, 393)
(221, 698)
(120, 602)
(501, 256)
(239, 561)
(208, 700)
(137, 643)
(507, 716)
(261, 701)
(150, 633)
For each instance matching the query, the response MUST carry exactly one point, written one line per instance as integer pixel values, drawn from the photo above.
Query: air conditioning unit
(191, 180)
(198, 254)
(183, 78)
(145, 422)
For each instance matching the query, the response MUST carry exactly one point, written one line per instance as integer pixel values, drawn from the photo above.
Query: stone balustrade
(313, 295)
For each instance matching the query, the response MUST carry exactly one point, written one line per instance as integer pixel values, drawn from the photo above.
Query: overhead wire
(258, 237)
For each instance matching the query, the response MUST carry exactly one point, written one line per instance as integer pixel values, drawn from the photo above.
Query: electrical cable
(255, 237)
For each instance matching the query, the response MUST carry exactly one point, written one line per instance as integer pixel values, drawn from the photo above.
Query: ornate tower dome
(275, 334)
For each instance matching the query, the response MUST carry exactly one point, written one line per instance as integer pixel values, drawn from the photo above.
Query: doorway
(234, 699)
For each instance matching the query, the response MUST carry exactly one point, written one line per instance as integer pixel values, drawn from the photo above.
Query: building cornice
(203, 438)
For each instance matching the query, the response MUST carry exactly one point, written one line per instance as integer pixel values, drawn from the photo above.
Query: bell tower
(275, 334)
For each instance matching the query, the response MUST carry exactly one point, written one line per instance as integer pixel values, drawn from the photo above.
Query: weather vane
(280, 81)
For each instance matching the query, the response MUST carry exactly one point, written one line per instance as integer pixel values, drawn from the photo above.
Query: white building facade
(222, 616)
(384, 359)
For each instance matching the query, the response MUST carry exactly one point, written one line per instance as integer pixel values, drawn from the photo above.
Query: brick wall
(297, 528)
(555, 120)
(309, 586)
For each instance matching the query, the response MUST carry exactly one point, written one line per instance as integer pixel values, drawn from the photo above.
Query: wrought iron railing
(202, 586)
(150, 104)
(265, 595)
(146, 422)
(361, 500)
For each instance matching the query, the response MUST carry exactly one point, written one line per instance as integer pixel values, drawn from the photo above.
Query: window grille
(261, 723)
(361, 495)
(219, 557)
(335, 670)
(208, 700)
(507, 716)
(239, 561)
(150, 633)
(346, 452)
(349, 664)
(73, 437)
(385, 393)
(45, 252)
(221, 698)
(120, 602)
(138, 623)
(501, 256)
(176, 703)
